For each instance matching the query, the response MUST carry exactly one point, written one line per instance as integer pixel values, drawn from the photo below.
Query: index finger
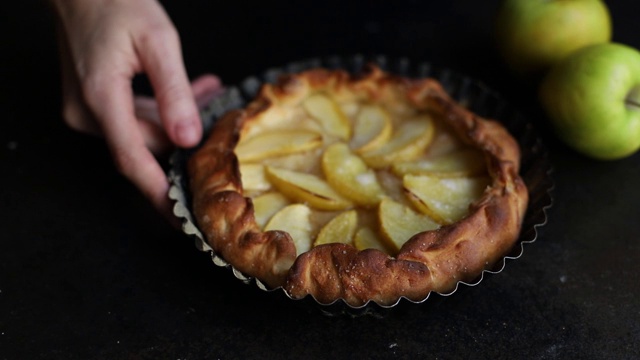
(161, 58)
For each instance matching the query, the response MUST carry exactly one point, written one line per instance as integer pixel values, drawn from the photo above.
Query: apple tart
(366, 187)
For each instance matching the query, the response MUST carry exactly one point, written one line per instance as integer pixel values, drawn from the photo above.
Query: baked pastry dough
(320, 127)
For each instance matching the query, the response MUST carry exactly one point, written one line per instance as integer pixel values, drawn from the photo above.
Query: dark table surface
(89, 270)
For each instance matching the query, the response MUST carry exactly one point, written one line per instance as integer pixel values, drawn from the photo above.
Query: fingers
(100, 54)
(102, 48)
(205, 88)
(161, 58)
(155, 139)
(146, 108)
(111, 96)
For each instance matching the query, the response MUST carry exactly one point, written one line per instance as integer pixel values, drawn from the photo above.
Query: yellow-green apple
(592, 98)
(532, 35)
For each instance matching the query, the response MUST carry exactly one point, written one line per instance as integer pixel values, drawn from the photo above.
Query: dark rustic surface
(89, 271)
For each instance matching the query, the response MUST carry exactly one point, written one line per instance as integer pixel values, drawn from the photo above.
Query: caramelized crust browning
(430, 261)
(226, 218)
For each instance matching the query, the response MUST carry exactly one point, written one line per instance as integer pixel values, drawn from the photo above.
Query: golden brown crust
(429, 261)
(226, 218)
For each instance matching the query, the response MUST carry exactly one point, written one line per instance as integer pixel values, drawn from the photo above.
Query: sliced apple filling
(364, 174)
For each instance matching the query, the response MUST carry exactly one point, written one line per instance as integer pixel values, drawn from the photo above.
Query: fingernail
(186, 134)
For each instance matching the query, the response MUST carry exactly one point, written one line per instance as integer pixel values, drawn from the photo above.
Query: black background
(88, 270)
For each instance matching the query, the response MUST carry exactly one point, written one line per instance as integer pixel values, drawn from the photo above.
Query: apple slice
(340, 229)
(350, 176)
(367, 238)
(371, 129)
(408, 142)
(444, 199)
(307, 188)
(306, 161)
(444, 142)
(296, 220)
(254, 178)
(350, 109)
(399, 223)
(266, 205)
(464, 162)
(329, 115)
(277, 143)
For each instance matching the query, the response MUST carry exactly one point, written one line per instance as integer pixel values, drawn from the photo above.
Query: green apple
(592, 98)
(532, 35)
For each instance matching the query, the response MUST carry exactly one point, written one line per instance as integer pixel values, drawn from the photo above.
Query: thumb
(161, 58)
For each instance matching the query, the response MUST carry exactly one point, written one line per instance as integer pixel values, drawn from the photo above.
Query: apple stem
(632, 100)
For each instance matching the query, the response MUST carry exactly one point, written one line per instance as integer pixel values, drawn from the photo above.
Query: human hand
(104, 44)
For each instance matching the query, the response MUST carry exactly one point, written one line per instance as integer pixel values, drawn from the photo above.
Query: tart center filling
(369, 175)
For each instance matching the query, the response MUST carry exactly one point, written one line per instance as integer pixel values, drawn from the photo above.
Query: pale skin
(103, 45)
